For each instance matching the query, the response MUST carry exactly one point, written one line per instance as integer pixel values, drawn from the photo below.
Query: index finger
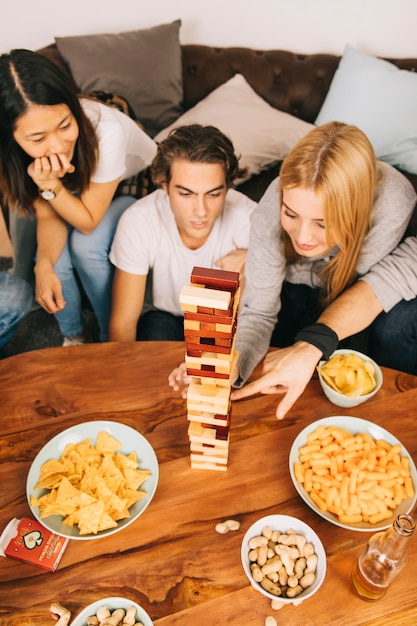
(264, 384)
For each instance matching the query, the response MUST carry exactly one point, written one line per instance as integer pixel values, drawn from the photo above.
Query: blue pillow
(379, 98)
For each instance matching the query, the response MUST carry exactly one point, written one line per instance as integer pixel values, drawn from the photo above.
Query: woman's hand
(46, 172)
(179, 380)
(286, 371)
(48, 289)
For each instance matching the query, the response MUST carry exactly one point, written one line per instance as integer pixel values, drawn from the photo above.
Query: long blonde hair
(338, 163)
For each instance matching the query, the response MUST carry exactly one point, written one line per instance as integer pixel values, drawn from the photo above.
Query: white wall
(381, 27)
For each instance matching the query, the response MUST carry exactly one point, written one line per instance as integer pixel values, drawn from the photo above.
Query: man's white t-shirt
(147, 241)
(124, 148)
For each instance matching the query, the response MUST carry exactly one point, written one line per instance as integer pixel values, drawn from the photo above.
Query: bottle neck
(394, 539)
(404, 525)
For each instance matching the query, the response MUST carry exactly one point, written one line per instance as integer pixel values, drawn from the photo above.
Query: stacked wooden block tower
(210, 304)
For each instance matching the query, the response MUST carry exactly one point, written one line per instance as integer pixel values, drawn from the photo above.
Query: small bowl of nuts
(114, 610)
(283, 559)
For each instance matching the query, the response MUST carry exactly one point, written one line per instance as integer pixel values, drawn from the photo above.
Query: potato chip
(106, 443)
(349, 374)
(91, 486)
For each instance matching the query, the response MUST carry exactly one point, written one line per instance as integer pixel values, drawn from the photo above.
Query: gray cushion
(143, 66)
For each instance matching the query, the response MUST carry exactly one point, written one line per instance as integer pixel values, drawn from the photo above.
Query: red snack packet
(27, 540)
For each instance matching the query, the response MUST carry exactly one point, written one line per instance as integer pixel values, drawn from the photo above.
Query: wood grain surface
(170, 560)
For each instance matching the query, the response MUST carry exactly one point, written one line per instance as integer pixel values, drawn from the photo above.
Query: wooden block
(208, 449)
(207, 458)
(225, 328)
(219, 395)
(205, 310)
(210, 378)
(208, 358)
(224, 318)
(208, 387)
(208, 326)
(219, 279)
(194, 405)
(213, 419)
(205, 297)
(192, 325)
(221, 317)
(207, 333)
(204, 373)
(195, 349)
(205, 434)
(208, 466)
(189, 308)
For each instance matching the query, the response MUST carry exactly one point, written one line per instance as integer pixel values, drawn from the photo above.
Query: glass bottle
(383, 558)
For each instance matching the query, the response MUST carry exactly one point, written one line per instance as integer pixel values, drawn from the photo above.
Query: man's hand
(233, 261)
(286, 371)
(179, 380)
(49, 290)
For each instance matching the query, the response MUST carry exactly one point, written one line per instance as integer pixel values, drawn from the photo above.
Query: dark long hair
(28, 78)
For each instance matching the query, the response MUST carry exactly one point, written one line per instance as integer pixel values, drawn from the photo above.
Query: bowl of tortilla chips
(92, 480)
(349, 377)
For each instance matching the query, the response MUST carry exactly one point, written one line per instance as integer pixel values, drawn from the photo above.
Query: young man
(193, 219)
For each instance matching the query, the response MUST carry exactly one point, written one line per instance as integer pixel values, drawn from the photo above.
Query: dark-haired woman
(62, 158)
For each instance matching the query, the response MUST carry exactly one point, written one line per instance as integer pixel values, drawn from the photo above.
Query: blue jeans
(393, 337)
(85, 255)
(15, 302)
(88, 255)
(23, 236)
(391, 340)
(160, 326)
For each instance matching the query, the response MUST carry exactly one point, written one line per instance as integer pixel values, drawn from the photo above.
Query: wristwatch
(47, 194)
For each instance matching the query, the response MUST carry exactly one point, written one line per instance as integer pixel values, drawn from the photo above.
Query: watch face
(47, 194)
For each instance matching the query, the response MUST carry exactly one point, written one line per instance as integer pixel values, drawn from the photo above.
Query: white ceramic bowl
(339, 399)
(353, 425)
(112, 604)
(130, 439)
(283, 523)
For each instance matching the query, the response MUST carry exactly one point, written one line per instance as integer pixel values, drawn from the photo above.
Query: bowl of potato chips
(349, 377)
(92, 480)
(353, 473)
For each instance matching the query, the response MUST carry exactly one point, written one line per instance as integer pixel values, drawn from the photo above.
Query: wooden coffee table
(171, 561)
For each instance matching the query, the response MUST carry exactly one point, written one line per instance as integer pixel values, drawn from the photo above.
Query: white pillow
(260, 134)
(379, 98)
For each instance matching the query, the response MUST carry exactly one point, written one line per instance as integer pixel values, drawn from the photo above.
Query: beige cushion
(260, 134)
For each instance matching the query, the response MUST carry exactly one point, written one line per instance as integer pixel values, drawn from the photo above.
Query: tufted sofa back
(294, 83)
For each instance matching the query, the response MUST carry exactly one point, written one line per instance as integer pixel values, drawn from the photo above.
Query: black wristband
(320, 336)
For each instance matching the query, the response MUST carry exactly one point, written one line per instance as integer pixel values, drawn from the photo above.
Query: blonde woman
(333, 213)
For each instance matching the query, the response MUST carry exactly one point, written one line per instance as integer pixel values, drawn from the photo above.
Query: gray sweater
(395, 277)
(266, 268)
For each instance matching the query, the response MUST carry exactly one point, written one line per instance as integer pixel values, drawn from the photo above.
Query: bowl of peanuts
(283, 559)
(349, 377)
(122, 612)
(353, 473)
